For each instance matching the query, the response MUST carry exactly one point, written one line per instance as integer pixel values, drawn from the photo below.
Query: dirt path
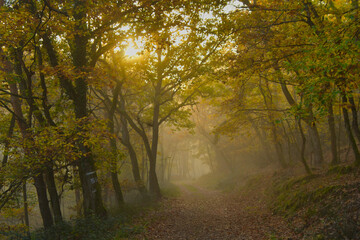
(208, 214)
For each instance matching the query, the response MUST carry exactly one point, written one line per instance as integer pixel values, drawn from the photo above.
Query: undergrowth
(118, 225)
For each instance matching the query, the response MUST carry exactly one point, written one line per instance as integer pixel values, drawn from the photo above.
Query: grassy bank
(325, 205)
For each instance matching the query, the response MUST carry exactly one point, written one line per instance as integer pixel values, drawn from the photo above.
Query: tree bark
(26, 90)
(6, 147)
(125, 137)
(317, 148)
(43, 201)
(91, 189)
(303, 145)
(275, 136)
(111, 127)
(26, 210)
(349, 133)
(146, 166)
(8, 136)
(117, 188)
(310, 121)
(88, 177)
(331, 122)
(92, 199)
(54, 197)
(38, 179)
(114, 176)
(78, 202)
(211, 165)
(277, 144)
(154, 186)
(153, 180)
(355, 124)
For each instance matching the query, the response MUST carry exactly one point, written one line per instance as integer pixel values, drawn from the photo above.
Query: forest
(181, 119)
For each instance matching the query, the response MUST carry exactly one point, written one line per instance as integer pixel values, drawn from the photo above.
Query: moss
(319, 237)
(323, 206)
(299, 181)
(293, 195)
(340, 169)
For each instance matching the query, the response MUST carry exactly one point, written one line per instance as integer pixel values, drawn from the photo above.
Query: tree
(87, 31)
(169, 81)
(266, 43)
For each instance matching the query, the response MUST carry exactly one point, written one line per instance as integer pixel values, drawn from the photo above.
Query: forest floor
(201, 213)
(268, 206)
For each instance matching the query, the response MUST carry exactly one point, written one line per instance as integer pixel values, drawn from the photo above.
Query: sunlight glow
(133, 49)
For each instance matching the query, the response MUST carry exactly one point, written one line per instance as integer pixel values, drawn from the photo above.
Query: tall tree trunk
(54, 197)
(210, 156)
(275, 136)
(170, 167)
(78, 202)
(26, 210)
(278, 147)
(317, 148)
(8, 136)
(136, 173)
(91, 189)
(349, 133)
(125, 137)
(111, 126)
(355, 124)
(111, 107)
(88, 177)
(92, 199)
(288, 141)
(339, 135)
(154, 186)
(295, 145)
(43, 201)
(6, 147)
(114, 176)
(331, 122)
(38, 179)
(151, 149)
(303, 144)
(310, 121)
(162, 159)
(90, 186)
(77, 92)
(26, 90)
(143, 161)
(117, 188)
(146, 178)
